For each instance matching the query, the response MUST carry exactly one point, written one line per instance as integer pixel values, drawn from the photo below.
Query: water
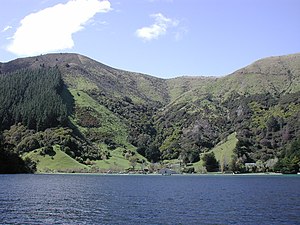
(111, 199)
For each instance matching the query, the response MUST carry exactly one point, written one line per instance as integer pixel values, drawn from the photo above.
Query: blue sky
(164, 38)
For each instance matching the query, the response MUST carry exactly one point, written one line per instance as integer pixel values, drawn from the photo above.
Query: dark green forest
(32, 97)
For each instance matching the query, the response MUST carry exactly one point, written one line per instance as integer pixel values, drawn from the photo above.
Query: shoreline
(158, 174)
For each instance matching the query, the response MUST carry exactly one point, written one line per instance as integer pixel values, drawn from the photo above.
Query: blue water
(112, 199)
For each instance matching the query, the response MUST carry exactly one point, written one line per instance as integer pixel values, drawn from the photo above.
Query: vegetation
(11, 162)
(32, 98)
(65, 112)
(289, 163)
(54, 160)
(210, 162)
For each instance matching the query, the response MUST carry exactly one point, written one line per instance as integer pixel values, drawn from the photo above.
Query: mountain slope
(82, 73)
(138, 115)
(274, 75)
(259, 102)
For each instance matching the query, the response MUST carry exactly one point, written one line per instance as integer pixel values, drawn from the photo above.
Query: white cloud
(51, 29)
(6, 28)
(159, 28)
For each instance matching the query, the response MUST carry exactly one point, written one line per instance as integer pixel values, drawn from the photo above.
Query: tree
(223, 163)
(210, 162)
(189, 156)
(290, 162)
(133, 161)
(287, 165)
(294, 149)
(272, 124)
(11, 162)
(152, 153)
(141, 150)
(260, 166)
(271, 163)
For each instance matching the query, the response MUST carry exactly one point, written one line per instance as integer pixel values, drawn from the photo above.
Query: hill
(94, 112)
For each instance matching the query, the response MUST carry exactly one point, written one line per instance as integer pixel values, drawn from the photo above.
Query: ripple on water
(87, 199)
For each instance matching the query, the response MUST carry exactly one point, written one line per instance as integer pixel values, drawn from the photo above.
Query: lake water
(126, 199)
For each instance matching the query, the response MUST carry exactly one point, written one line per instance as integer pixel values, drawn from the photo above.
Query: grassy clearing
(110, 123)
(81, 83)
(224, 150)
(117, 162)
(60, 162)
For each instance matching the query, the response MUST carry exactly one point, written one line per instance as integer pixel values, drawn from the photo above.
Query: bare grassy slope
(276, 75)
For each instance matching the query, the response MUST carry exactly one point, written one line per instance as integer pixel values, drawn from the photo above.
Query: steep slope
(179, 86)
(274, 75)
(80, 72)
(259, 102)
(107, 107)
(116, 117)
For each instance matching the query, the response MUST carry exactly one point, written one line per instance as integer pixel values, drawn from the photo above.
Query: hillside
(82, 73)
(97, 114)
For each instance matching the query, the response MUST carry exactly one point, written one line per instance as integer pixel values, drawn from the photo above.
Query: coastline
(158, 174)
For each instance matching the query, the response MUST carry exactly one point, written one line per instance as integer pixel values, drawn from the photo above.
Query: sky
(163, 38)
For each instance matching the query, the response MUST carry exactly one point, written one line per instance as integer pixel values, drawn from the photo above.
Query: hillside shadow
(68, 99)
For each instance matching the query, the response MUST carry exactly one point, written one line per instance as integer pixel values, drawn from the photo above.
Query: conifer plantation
(32, 97)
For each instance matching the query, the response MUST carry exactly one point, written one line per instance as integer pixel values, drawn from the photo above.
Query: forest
(32, 98)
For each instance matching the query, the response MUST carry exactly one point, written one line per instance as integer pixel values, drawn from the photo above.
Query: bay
(149, 199)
